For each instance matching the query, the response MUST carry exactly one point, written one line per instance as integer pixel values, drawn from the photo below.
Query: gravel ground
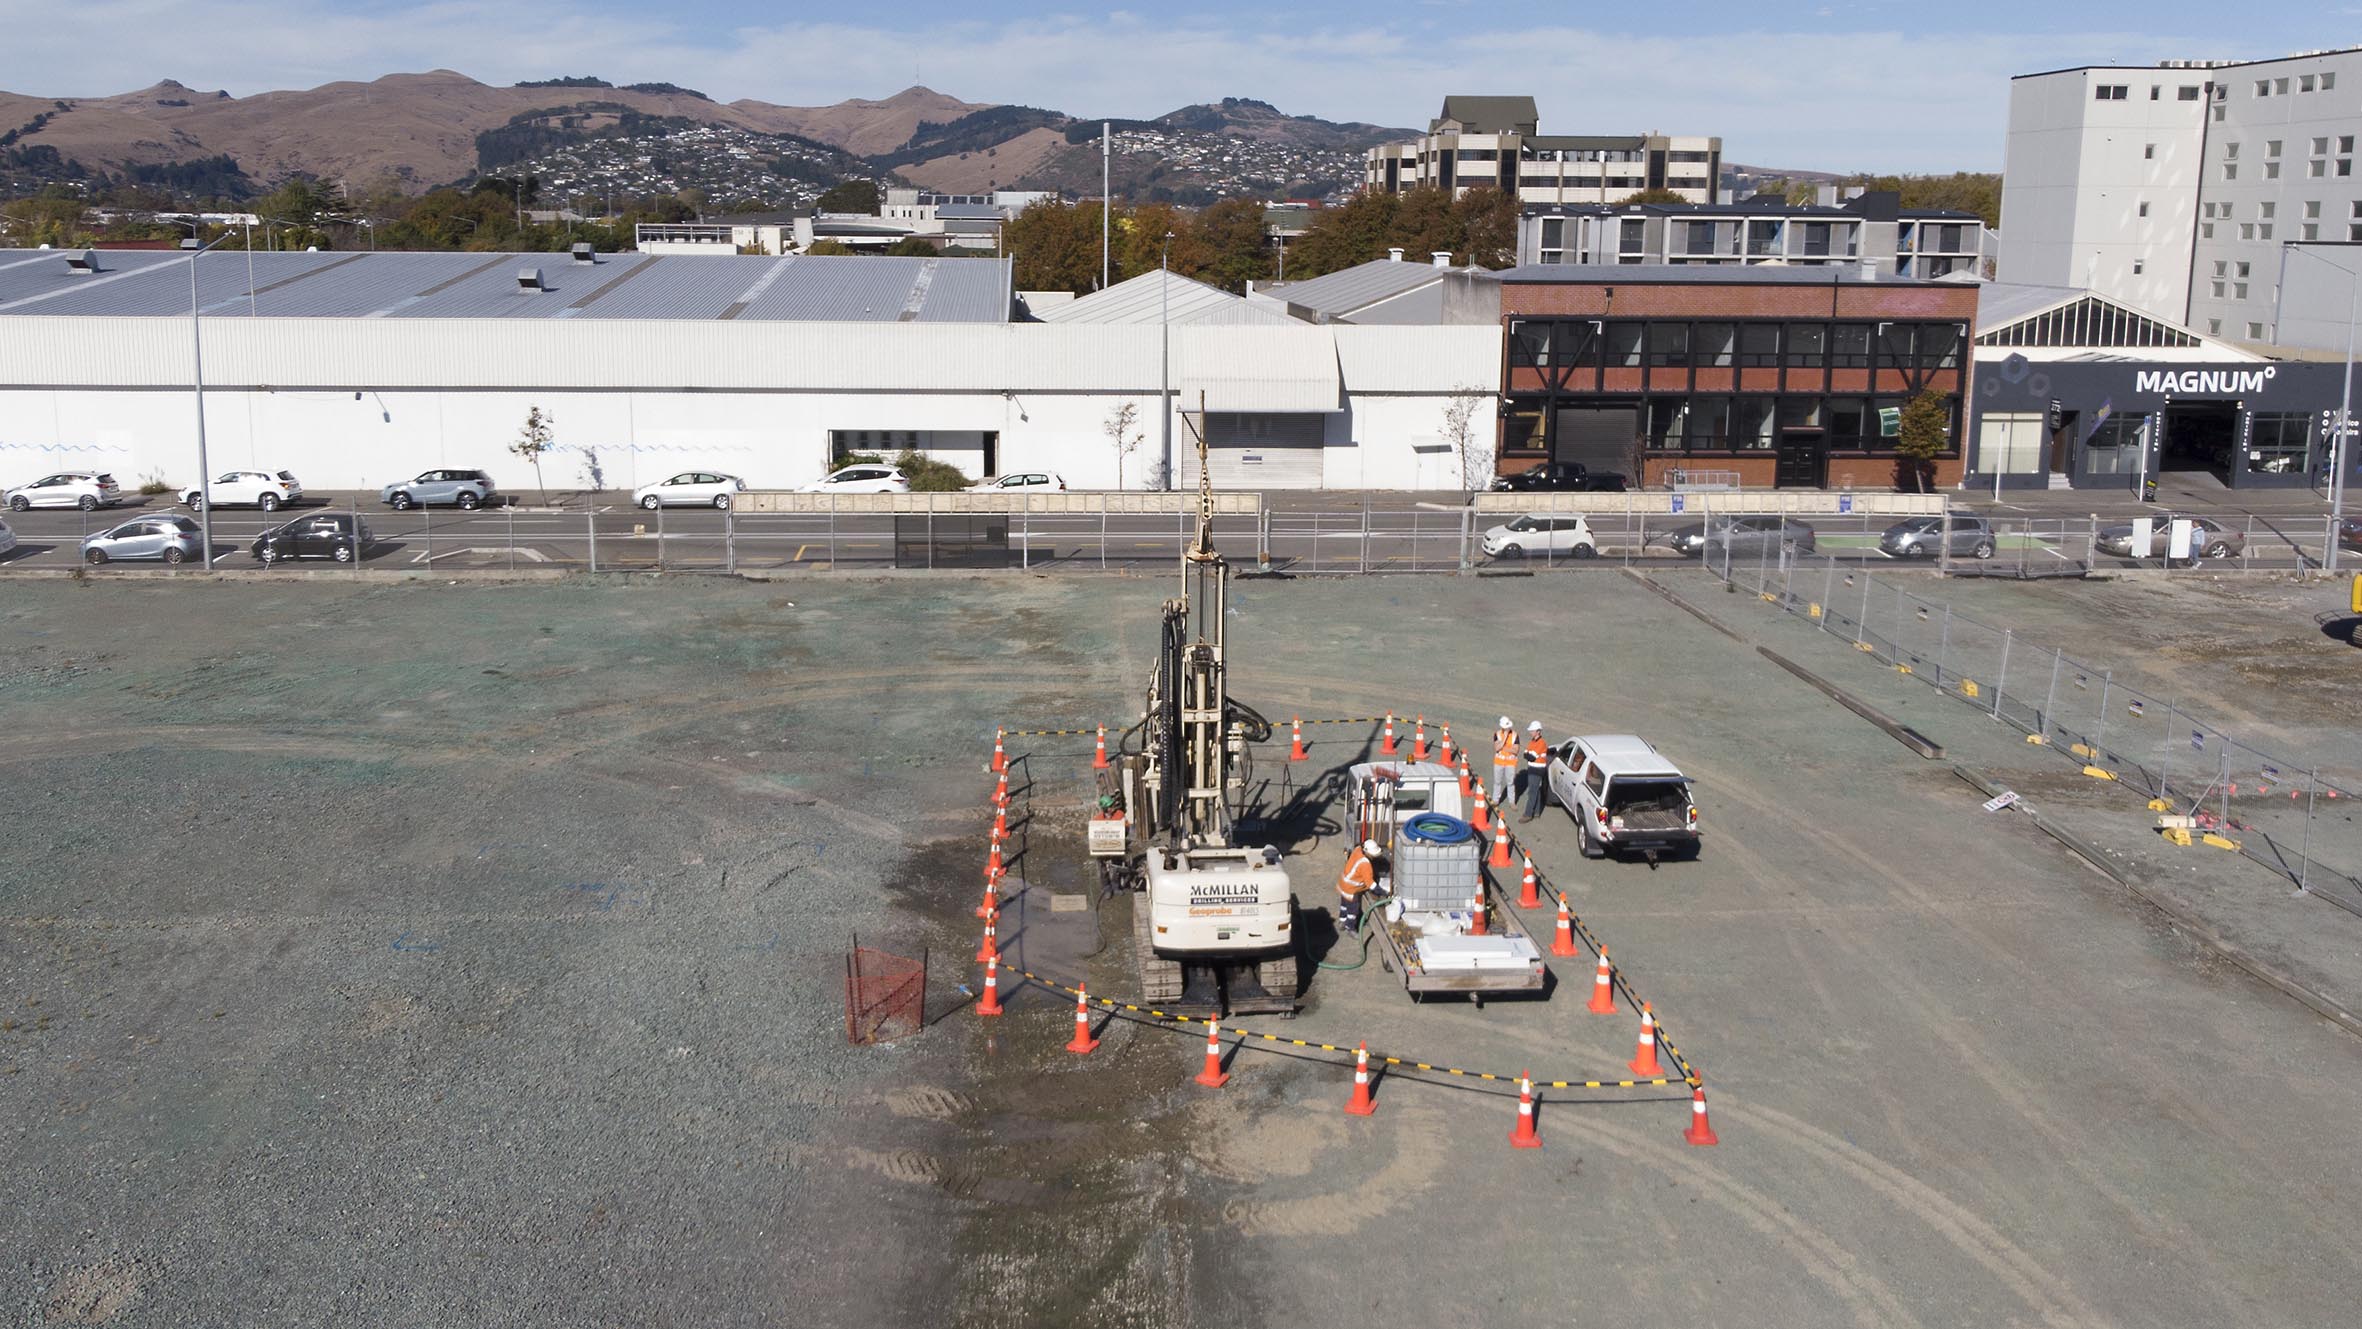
(471, 954)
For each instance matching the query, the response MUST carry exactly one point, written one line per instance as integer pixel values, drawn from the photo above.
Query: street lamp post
(197, 382)
(1164, 354)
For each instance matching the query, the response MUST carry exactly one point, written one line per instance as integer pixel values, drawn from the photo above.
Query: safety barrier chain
(1191, 1023)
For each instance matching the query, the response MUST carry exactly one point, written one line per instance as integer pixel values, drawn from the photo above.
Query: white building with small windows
(1496, 142)
(2216, 195)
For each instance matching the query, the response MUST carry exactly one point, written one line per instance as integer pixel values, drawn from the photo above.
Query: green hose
(1370, 920)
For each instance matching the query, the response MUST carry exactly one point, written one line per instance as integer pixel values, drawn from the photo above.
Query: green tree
(858, 196)
(1353, 232)
(910, 246)
(1653, 196)
(1487, 221)
(1230, 235)
(535, 437)
(1802, 193)
(826, 248)
(1056, 246)
(1921, 436)
(1425, 224)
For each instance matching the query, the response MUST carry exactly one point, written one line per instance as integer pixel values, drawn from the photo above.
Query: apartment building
(2218, 195)
(1496, 142)
(1866, 230)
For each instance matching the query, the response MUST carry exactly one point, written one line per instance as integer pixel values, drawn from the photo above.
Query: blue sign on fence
(1677, 501)
(1845, 502)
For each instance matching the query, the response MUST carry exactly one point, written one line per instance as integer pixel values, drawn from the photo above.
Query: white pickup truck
(1623, 794)
(1432, 875)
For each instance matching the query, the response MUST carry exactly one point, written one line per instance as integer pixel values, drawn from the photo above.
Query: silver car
(7, 538)
(1920, 537)
(171, 539)
(466, 489)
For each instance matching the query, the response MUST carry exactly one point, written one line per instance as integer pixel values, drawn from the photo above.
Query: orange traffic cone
(1083, 1044)
(1212, 1077)
(992, 898)
(1000, 755)
(1500, 858)
(1099, 753)
(1480, 821)
(1644, 1061)
(1419, 741)
(1361, 1106)
(1000, 820)
(1000, 791)
(1467, 781)
(1529, 890)
(992, 864)
(1476, 927)
(1296, 750)
(1564, 942)
(990, 1003)
(1387, 748)
(1701, 1131)
(991, 949)
(1603, 987)
(1446, 746)
(1525, 1136)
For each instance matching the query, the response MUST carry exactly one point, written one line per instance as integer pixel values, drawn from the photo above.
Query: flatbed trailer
(1434, 954)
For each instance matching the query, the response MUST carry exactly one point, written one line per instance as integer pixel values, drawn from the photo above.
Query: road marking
(530, 554)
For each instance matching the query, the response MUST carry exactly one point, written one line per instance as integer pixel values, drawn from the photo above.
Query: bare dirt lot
(472, 954)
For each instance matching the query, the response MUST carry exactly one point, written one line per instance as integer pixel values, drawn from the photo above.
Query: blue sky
(1869, 84)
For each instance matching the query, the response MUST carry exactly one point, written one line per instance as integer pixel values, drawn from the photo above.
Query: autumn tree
(1354, 232)
(1487, 221)
(1055, 245)
(1921, 436)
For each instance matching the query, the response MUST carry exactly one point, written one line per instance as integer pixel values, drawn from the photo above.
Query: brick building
(1789, 377)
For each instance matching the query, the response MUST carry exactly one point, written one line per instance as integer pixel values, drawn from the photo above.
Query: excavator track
(1160, 978)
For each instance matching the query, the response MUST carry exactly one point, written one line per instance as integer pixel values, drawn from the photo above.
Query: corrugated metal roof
(1703, 274)
(2000, 304)
(1159, 297)
(1340, 293)
(231, 283)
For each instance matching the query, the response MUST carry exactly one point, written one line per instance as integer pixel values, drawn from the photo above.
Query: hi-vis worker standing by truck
(1537, 771)
(1359, 875)
(1504, 764)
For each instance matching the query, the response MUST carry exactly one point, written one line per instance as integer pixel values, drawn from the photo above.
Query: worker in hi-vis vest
(1359, 875)
(1504, 764)
(1537, 770)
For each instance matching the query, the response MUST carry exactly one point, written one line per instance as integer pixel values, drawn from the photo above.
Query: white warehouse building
(353, 370)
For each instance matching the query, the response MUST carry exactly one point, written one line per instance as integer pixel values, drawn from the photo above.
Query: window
(1752, 423)
(2206, 230)
(2240, 270)
(2247, 230)
(1623, 345)
(2271, 170)
(2215, 289)
(1668, 344)
(1710, 344)
(2144, 210)
(2138, 267)
(2328, 81)
(1529, 343)
(1668, 417)
(2304, 83)
(2279, 87)
(2110, 92)
(2321, 147)
(1808, 344)
(2011, 443)
(2148, 152)
(2255, 332)
(2218, 113)
(2230, 152)
(2188, 92)
(2345, 143)
(2230, 170)
(2221, 268)
(2214, 327)
(2238, 290)
(1709, 422)
(1939, 346)
(1849, 346)
(2315, 169)
(2345, 166)
(2271, 147)
(2263, 87)
(2267, 209)
(1759, 345)
(2276, 443)
(2264, 232)
(2311, 231)
(1851, 421)
(2154, 92)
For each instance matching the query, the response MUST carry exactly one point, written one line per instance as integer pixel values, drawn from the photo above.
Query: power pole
(1106, 193)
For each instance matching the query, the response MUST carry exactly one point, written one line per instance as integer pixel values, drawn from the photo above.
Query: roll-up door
(1600, 437)
(1254, 450)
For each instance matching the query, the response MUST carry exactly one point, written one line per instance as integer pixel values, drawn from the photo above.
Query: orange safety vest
(1358, 876)
(1537, 753)
(1504, 747)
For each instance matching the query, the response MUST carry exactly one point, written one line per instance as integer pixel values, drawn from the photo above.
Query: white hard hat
(1506, 723)
(1534, 728)
(1370, 847)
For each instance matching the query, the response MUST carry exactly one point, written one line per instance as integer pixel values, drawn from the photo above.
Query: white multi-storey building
(2202, 193)
(1495, 142)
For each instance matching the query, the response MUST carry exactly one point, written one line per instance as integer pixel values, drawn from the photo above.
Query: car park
(1017, 480)
(465, 489)
(268, 490)
(1623, 794)
(862, 478)
(1920, 537)
(320, 535)
(1542, 535)
(86, 490)
(1561, 477)
(702, 489)
(170, 538)
(2208, 539)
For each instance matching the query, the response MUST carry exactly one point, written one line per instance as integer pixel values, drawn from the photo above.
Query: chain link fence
(2278, 808)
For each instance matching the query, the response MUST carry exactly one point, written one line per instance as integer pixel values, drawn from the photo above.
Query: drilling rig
(1214, 922)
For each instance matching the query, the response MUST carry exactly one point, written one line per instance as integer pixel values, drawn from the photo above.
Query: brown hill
(409, 131)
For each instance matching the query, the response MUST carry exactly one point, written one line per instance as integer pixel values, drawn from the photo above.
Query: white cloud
(1831, 100)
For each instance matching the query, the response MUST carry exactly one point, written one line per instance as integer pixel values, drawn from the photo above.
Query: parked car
(68, 489)
(268, 490)
(1043, 480)
(1920, 537)
(1754, 537)
(7, 538)
(1688, 539)
(467, 489)
(1561, 477)
(2349, 533)
(703, 489)
(1623, 794)
(172, 538)
(2208, 539)
(321, 535)
(865, 478)
(1558, 535)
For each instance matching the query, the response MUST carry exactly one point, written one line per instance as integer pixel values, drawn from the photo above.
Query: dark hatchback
(321, 535)
(1561, 477)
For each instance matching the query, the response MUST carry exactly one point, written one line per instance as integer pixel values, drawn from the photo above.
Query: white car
(864, 478)
(1555, 535)
(67, 489)
(268, 490)
(1027, 480)
(703, 489)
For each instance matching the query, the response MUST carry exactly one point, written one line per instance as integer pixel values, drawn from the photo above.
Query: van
(1623, 794)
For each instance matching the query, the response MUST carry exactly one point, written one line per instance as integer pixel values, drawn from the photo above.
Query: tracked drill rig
(1214, 923)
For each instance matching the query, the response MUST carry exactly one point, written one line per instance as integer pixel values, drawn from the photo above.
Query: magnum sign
(2203, 382)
